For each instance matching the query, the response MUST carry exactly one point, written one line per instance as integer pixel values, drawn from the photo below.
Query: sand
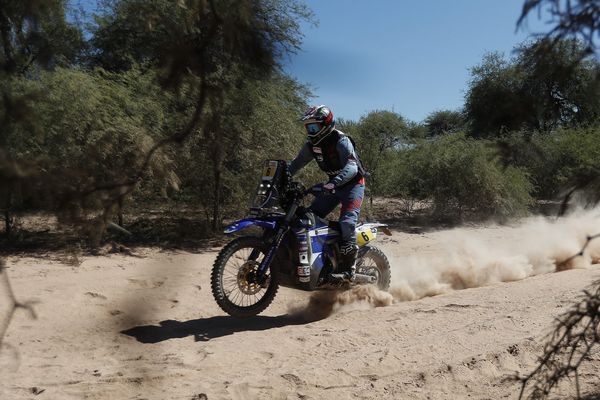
(467, 309)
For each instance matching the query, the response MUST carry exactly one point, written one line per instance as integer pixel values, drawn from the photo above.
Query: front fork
(275, 242)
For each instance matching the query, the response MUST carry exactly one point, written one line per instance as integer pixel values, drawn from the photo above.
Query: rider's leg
(324, 204)
(351, 199)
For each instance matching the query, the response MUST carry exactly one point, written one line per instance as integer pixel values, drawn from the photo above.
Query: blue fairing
(244, 223)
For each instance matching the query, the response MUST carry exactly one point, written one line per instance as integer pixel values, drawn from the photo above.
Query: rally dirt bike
(296, 249)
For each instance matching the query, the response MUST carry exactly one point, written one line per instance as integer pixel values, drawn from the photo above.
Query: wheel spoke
(234, 299)
(236, 278)
(231, 270)
(230, 282)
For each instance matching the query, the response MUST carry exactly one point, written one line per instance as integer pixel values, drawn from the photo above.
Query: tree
(34, 35)
(36, 32)
(492, 104)
(444, 121)
(378, 133)
(200, 52)
(563, 86)
(218, 49)
(462, 177)
(197, 36)
(257, 121)
(575, 19)
(90, 130)
(540, 89)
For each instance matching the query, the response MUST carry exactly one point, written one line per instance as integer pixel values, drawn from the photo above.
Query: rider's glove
(329, 187)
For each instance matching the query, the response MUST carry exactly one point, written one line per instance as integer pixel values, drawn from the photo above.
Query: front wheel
(233, 282)
(372, 261)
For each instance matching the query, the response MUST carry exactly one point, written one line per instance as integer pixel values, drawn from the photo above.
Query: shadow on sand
(205, 329)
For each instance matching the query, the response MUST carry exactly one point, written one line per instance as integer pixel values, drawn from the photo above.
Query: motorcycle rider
(335, 154)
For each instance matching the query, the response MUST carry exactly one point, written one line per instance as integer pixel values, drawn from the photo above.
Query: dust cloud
(322, 304)
(467, 258)
(473, 257)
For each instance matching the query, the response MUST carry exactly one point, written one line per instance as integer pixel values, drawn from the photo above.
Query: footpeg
(341, 277)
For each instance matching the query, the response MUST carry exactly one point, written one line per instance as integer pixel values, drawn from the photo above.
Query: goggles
(313, 128)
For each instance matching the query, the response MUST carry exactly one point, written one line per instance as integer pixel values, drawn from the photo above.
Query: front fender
(244, 223)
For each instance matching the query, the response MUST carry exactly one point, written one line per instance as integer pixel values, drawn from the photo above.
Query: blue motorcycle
(295, 249)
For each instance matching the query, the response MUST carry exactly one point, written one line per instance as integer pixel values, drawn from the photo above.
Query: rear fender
(366, 233)
(244, 223)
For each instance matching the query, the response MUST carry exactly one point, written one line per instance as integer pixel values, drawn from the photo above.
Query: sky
(409, 56)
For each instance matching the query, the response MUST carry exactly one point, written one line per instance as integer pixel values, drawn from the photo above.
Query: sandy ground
(122, 327)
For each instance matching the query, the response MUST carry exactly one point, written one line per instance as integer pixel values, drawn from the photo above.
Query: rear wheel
(372, 261)
(233, 282)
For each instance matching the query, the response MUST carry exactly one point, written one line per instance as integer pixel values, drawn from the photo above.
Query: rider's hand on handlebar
(329, 187)
(321, 188)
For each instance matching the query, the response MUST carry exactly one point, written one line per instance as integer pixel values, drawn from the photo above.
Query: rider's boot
(346, 263)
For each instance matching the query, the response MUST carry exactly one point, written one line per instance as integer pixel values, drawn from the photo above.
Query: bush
(558, 160)
(462, 177)
(85, 130)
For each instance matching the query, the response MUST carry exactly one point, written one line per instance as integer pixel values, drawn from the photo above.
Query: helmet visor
(313, 128)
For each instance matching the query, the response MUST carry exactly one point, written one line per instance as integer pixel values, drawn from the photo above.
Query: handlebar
(299, 192)
(314, 190)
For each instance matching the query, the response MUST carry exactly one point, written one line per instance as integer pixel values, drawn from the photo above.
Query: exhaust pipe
(363, 279)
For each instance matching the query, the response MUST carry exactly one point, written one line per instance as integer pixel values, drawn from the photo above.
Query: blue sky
(412, 56)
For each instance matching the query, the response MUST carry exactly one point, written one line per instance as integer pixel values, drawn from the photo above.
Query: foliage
(462, 177)
(377, 135)
(258, 121)
(444, 121)
(217, 50)
(199, 36)
(564, 85)
(542, 88)
(36, 33)
(91, 129)
(190, 95)
(415, 131)
(492, 104)
(558, 160)
(175, 70)
(578, 19)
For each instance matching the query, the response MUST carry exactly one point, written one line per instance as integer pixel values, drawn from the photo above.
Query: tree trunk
(217, 200)
(120, 212)
(10, 65)
(371, 191)
(8, 219)
(216, 137)
(7, 223)
(216, 164)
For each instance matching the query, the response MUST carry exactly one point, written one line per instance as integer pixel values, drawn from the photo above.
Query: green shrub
(558, 160)
(85, 129)
(462, 177)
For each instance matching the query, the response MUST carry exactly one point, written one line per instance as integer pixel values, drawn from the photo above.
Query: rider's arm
(346, 152)
(303, 158)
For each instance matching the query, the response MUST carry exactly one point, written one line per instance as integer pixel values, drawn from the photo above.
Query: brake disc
(246, 278)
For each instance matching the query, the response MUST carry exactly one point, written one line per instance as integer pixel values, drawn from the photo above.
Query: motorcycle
(296, 249)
